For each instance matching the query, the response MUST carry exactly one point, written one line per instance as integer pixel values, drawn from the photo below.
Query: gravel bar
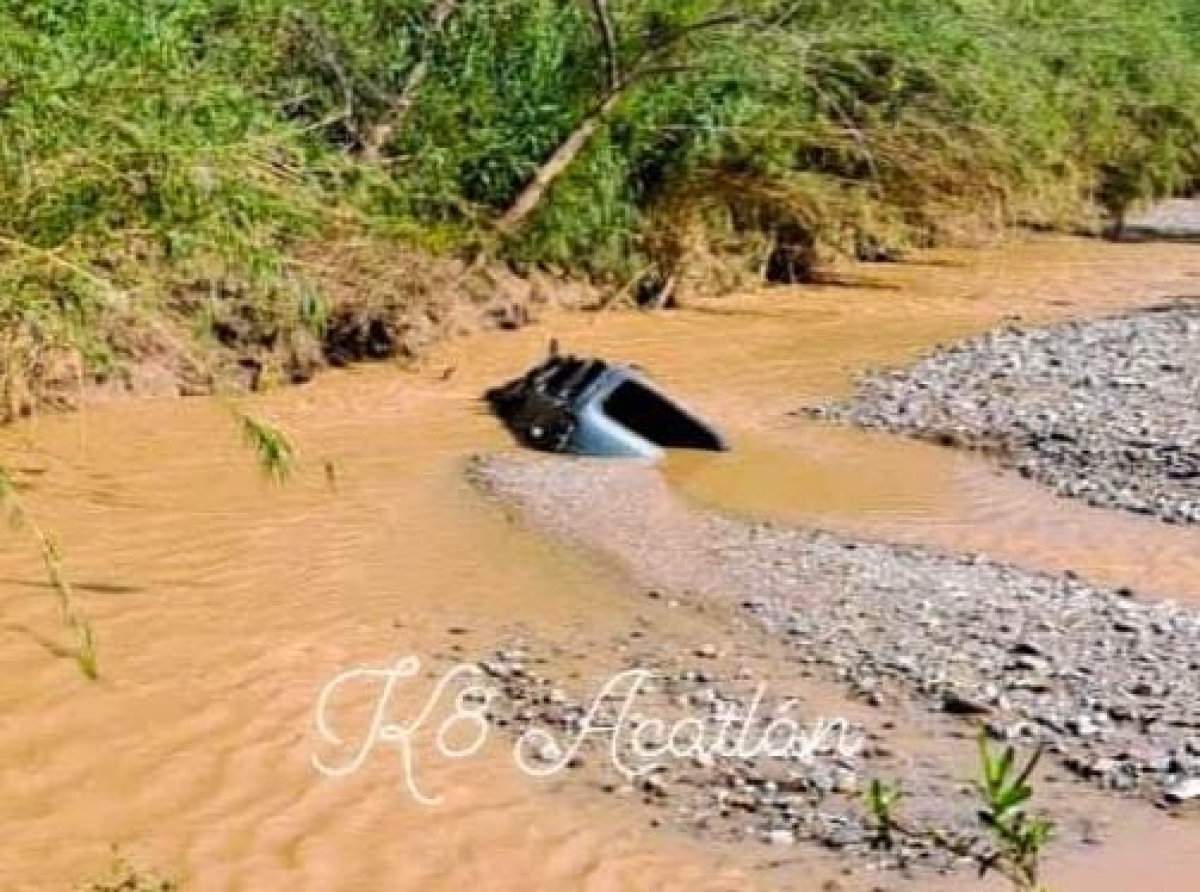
(1105, 410)
(1110, 683)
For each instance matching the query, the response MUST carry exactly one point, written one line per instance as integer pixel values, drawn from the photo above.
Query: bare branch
(529, 198)
(394, 117)
(329, 58)
(608, 35)
(786, 15)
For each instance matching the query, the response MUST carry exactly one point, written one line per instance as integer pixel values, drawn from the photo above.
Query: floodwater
(223, 603)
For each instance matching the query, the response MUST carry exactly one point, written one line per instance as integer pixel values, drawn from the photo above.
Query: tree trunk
(528, 200)
(608, 35)
(530, 197)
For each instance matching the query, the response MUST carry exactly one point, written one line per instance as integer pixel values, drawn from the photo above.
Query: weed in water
(272, 447)
(124, 876)
(85, 654)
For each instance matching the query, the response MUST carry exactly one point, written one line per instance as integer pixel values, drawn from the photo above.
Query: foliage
(271, 446)
(1017, 840)
(163, 162)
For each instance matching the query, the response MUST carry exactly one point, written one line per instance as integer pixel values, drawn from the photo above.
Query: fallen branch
(530, 197)
(650, 64)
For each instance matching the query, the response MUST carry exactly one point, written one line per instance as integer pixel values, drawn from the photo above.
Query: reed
(84, 653)
(272, 447)
(1013, 841)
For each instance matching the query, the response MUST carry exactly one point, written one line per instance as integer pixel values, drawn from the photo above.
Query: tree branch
(329, 58)
(608, 35)
(398, 109)
(552, 168)
(650, 64)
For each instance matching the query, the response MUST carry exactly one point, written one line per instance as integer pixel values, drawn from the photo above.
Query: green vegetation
(1013, 841)
(273, 449)
(180, 177)
(77, 624)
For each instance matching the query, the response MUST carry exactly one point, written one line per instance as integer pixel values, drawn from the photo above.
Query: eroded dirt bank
(222, 604)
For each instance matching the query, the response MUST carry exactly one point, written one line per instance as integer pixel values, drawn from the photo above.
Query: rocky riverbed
(1105, 410)
(714, 741)
(1108, 682)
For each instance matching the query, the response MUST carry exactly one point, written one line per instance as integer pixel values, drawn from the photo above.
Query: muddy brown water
(223, 604)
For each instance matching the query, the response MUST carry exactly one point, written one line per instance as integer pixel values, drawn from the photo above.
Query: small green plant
(1019, 838)
(881, 804)
(1014, 840)
(272, 447)
(19, 517)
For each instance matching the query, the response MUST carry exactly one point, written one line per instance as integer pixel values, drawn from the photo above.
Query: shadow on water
(96, 588)
(56, 650)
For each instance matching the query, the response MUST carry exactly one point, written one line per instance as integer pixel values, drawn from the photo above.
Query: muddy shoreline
(382, 305)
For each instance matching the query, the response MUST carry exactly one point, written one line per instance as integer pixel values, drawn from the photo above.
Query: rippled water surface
(223, 603)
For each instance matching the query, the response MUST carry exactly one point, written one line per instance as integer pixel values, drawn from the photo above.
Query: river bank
(361, 300)
(282, 156)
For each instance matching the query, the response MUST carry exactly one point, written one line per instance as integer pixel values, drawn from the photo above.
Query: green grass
(164, 162)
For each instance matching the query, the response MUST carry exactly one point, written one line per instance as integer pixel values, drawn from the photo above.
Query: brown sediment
(222, 604)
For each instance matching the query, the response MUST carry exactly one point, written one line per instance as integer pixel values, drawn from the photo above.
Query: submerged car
(593, 407)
